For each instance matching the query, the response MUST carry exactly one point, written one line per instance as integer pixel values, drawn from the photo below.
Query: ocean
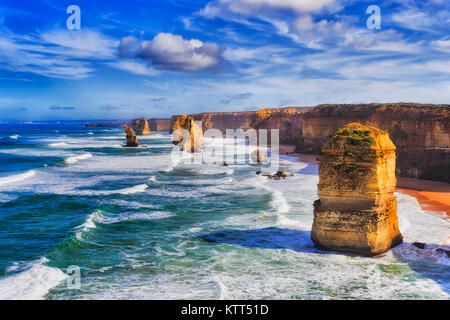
(140, 225)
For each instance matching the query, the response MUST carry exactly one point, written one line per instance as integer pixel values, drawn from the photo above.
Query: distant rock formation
(357, 210)
(132, 140)
(258, 157)
(141, 127)
(421, 132)
(195, 141)
(158, 124)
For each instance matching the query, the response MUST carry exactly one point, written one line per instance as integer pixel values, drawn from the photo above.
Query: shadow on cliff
(267, 238)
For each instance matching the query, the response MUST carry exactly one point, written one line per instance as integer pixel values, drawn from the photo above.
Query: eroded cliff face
(159, 124)
(420, 132)
(140, 126)
(187, 134)
(288, 121)
(224, 120)
(357, 210)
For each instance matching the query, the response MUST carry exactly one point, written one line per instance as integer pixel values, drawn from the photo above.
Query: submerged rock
(141, 126)
(132, 140)
(443, 251)
(357, 209)
(419, 245)
(187, 134)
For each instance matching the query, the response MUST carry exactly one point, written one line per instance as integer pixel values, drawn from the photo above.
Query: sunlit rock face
(191, 139)
(141, 126)
(132, 140)
(357, 210)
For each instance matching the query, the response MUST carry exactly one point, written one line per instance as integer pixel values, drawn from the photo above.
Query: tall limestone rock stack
(193, 143)
(357, 210)
(132, 140)
(140, 126)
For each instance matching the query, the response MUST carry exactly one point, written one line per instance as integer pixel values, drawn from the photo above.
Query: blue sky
(160, 58)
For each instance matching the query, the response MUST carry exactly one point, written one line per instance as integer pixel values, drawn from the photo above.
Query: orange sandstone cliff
(140, 126)
(158, 124)
(288, 121)
(357, 210)
(187, 134)
(420, 132)
(132, 140)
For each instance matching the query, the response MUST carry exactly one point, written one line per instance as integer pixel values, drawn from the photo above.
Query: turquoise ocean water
(142, 226)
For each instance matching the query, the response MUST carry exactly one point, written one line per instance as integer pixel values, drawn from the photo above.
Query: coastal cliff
(187, 134)
(222, 120)
(420, 132)
(140, 126)
(288, 121)
(357, 210)
(157, 124)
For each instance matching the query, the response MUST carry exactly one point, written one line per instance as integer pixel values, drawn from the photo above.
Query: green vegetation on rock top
(354, 134)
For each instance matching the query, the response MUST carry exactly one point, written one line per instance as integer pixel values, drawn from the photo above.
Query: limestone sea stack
(132, 140)
(357, 210)
(141, 126)
(193, 143)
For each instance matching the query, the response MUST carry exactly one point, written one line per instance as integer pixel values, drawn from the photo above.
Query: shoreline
(432, 196)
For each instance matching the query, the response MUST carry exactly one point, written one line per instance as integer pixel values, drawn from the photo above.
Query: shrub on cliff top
(354, 134)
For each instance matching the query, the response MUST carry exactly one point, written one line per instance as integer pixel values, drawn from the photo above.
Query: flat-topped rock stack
(357, 210)
(141, 127)
(132, 140)
(194, 142)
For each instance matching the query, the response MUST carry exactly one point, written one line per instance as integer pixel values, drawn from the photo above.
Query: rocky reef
(191, 143)
(140, 126)
(132, 140)
(357, 210)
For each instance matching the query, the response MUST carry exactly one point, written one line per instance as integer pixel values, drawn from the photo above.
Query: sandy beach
(431, 195)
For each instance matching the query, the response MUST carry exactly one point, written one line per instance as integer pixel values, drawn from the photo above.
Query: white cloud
(249, 7)
(171, 52)
(55, 53)
(135, 67)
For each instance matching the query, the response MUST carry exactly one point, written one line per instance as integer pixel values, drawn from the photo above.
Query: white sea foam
(7, 198)
(88, 224)
(32, 283)
(58, 145)
(155, 215)
(15, 137)
(17, 177)
(75, 159)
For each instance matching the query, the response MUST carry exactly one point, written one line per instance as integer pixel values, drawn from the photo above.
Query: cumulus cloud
(172, 52)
